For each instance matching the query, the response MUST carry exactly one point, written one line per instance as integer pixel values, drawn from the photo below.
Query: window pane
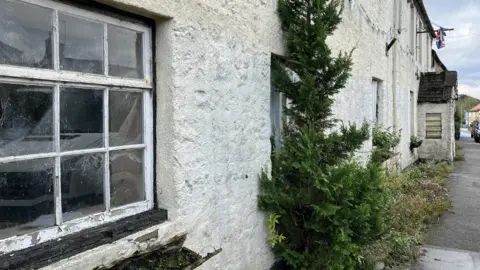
(26, 196)
(81, 44)
(26, 118)
(81, 119)
(125, 52)
(126, 118)
(126, 177)
(82, 185)
(25, 35)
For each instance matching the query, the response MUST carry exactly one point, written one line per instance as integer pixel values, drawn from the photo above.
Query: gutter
(396, 23)
(424, 15)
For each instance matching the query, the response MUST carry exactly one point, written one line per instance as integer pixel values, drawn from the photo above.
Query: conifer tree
(323, 206)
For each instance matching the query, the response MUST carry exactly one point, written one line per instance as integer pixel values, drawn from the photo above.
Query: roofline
(473, 108)
(437, 59)
(424, 15)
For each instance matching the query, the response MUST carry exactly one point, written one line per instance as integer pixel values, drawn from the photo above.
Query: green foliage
(458, 122)
(274, 238)
(465, 103)
(415, 200)
(415, 142)
(459, 157)
(384, 141)
(323, 205)
(459, 145)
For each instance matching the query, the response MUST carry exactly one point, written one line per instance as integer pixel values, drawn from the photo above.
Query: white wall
(213, 126)
(367, 27)
(213, 129)
(437, 149)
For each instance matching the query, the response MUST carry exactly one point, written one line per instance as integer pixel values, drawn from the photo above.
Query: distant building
(436, 109)
(474, 113)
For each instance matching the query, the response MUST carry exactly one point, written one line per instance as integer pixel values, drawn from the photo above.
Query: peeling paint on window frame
(57, 78)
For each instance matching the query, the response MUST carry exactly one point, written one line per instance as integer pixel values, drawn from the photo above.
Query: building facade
(436, 110)
(474, 114)
(384, 84)
(179, 121)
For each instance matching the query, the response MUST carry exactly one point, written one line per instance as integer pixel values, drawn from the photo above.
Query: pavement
(441, 258)
(454, 243)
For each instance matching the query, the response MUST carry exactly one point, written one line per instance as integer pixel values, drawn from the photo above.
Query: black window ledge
(55, 250)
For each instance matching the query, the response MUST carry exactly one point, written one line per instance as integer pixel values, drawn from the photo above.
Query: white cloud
(473, 91)
(462, 50)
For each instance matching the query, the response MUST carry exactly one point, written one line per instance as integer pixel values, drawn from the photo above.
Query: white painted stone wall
(437, 149)
(213, 125)
(367, 26)
(213, 129)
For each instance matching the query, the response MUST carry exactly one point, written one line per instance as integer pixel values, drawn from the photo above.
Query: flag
(440, 39)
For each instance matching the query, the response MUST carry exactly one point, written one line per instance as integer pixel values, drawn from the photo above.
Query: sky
(462, 51)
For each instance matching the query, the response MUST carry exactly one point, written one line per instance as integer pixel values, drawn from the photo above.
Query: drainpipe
(396, 26)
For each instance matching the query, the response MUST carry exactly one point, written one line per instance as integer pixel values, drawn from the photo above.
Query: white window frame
(57, 78)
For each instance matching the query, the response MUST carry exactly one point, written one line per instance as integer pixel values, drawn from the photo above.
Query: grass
(459, 157)
(459, 145)
(417, 198)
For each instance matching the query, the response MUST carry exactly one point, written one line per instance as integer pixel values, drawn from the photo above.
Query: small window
(352, 3)
(277, 103)
(433, 126)
(412, 113)
(377, 95)
(75, 118)
(413, 32)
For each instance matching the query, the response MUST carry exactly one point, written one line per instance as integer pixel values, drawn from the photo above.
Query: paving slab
(440, 258)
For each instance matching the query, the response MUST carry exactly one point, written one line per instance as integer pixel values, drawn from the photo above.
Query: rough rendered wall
(213, 128)
(437, 149)
(213, 125)
(367, 26)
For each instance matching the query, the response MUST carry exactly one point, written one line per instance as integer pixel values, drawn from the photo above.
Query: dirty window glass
(26, 118)
(82, 185)
(125, 52)
(125, 118)
(126, 177)
(26, 196)
(25, 35)
(73, 110)
(81, 44)
(81, 119)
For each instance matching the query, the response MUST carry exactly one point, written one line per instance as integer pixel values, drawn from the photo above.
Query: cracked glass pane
(25, 35)
(81, 44)
(126, 118)
(125, 54)
(82, 185)
(26, 117)
(81, 119)
(26, 196)
(126, 177)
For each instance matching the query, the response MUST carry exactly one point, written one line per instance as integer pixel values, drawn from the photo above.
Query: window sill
(58, 249)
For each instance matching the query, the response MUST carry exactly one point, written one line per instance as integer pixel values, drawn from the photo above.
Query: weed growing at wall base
(415, 200)
(459, 145)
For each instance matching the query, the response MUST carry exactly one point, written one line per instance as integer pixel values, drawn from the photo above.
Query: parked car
(475, 130)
